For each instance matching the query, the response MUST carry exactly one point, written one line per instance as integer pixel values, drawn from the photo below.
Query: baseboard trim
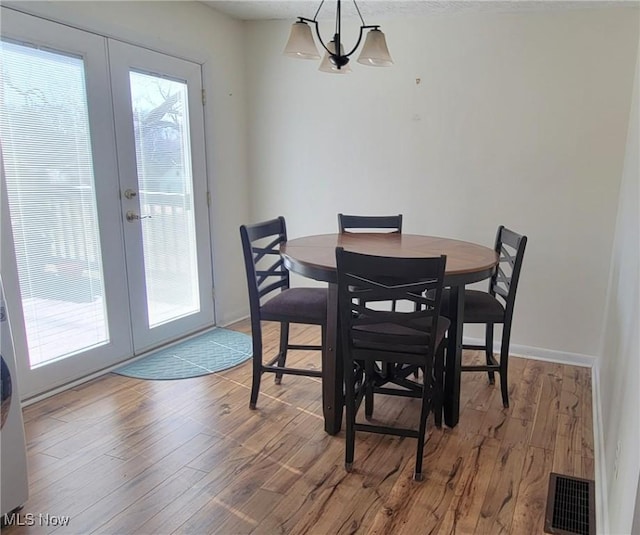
(228, 322)
(602, 502)
(538, 353)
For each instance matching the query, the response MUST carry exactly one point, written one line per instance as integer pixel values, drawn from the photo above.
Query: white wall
(196, 32)
(519, 119)
(619, 366)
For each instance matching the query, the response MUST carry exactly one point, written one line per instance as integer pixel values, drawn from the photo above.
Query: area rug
(213, 351)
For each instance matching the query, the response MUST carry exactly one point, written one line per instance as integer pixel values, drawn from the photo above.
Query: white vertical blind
(46, 146)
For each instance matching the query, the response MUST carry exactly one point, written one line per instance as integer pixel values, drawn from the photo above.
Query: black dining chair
(404, 340)
(495, 307)
(390, 223)
(272, 299)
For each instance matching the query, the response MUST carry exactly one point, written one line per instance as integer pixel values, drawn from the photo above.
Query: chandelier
(302, 46)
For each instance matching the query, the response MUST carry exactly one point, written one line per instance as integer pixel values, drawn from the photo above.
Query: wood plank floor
(120, 455)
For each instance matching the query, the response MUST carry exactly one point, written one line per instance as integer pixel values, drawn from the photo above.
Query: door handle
(132, 216)
(129, 193)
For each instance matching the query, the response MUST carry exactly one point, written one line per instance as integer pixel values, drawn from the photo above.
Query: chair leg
(282, 355)
(369, 382)
(350, 410)
(438, 391)
(427, 392)
(489, 351)
(257, 369)
(504, 365)
(387, 370)
(416, 373)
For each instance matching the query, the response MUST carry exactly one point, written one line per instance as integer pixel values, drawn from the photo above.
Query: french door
(160, 147)
(104, 198)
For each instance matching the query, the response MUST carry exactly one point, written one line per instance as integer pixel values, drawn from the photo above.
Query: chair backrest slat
(347, 223)
(510, 247)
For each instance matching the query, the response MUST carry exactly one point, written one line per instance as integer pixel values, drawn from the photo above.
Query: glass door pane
(159, 119)
(47, 153)
(160, 110)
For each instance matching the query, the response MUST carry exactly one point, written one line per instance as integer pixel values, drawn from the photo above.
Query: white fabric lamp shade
(327, 66)
(300, 44)
(375, 52)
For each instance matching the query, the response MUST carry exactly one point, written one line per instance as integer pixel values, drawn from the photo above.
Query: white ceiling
(387, 9)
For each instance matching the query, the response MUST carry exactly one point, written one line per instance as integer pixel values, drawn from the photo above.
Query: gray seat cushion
(376, 335)
(479, 307)
(300, 305)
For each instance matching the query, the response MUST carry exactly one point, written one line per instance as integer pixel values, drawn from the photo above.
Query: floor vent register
(571, 507)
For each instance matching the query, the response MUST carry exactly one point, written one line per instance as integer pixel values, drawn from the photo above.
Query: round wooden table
(314, 257)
